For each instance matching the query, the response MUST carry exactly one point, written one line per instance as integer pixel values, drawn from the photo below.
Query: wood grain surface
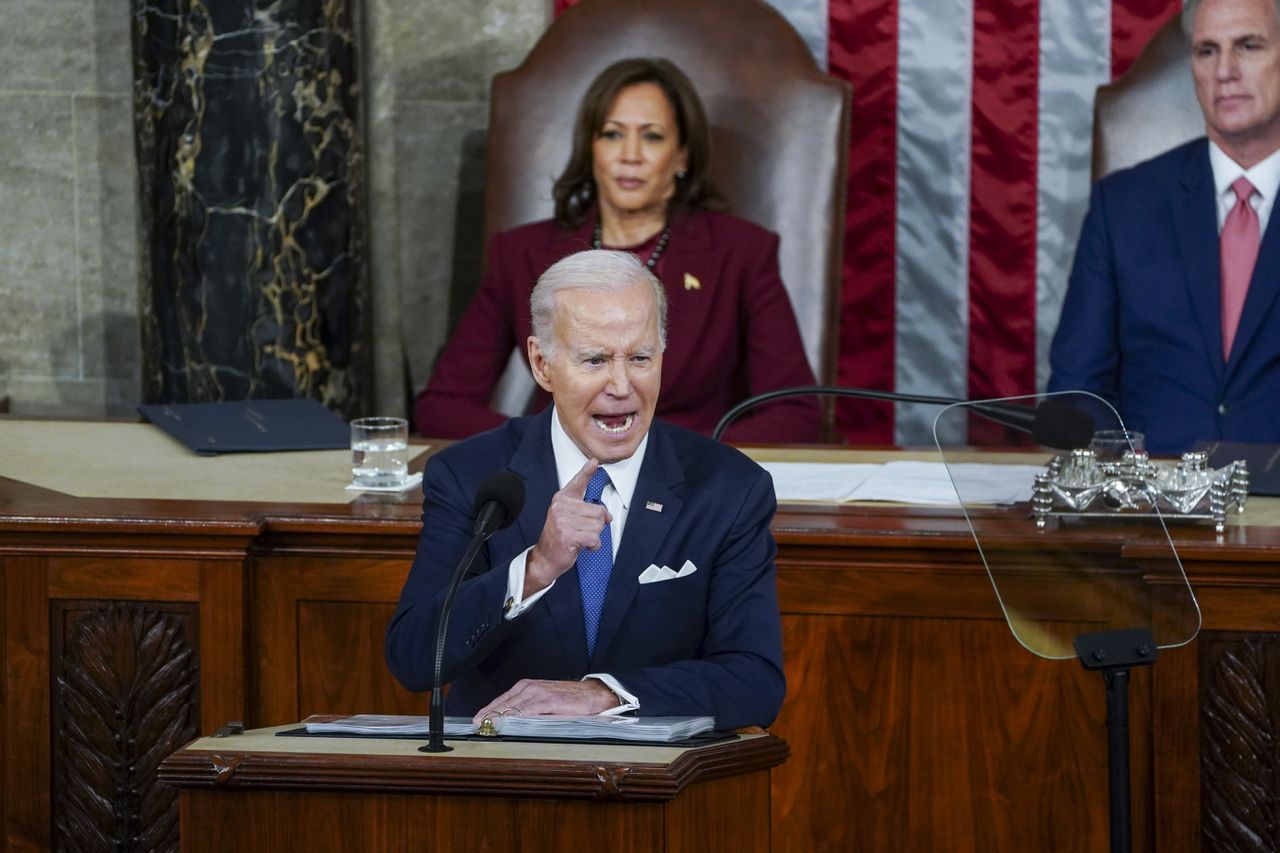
(915, 720)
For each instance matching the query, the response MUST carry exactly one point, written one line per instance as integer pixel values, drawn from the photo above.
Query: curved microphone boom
(498, 502)
(1051, 424)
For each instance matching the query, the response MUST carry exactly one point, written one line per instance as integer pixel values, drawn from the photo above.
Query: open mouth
(630, 183)
(614, 424)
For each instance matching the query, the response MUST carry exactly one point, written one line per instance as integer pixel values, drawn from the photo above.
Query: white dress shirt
(1265, 177)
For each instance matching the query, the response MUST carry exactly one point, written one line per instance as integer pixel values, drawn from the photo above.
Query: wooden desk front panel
(1217, 714)
(114, 656)
(320, 619)
(915, 720)
(726, 815)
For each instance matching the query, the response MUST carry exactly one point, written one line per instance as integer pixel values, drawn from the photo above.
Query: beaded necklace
(653, 257)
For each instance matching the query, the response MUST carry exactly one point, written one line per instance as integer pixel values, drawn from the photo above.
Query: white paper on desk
(388, 724)
(650, 729)
(928, 483)
(817, 481)
(410, 482)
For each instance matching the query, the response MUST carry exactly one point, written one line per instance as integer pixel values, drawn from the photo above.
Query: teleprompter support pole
(1114, 654)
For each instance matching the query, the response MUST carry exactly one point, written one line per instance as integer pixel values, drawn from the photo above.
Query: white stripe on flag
(935, 77)
(1075, 58)
(809, 17)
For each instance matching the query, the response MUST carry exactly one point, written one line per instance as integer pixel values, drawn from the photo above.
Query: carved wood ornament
(124, 697)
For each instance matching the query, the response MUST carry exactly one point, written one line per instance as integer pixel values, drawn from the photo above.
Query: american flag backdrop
(968, 179)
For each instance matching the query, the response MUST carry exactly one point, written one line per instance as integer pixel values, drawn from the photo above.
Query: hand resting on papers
(530, 697)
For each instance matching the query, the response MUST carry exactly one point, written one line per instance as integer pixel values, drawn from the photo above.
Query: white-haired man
(639, 575)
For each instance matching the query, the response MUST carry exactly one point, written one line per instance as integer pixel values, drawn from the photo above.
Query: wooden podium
(260, 791)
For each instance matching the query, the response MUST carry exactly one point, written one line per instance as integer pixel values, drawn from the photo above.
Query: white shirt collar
(1265, 175)
(569, 461)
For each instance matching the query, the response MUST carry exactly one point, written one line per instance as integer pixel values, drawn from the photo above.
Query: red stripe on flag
(863, 49)
(1002, 198)
(1133, 23)
(561, 5)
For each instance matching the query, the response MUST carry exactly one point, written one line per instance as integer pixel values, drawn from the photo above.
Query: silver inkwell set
(1083, 484)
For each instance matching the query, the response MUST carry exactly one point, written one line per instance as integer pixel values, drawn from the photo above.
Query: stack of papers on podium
(647, 729)
(650, 729)
(387, 724)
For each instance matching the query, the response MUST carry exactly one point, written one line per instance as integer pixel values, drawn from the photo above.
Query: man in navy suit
(639, 576)
(1152, 320)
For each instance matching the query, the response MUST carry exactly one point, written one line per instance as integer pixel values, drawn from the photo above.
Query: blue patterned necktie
(594, 566)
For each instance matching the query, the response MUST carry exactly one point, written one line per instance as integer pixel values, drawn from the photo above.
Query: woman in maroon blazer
(637, 180)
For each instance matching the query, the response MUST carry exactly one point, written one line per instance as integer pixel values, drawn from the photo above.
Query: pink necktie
(1240, 239)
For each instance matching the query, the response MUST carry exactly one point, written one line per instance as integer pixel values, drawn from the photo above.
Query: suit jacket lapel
(646, 530)
(1263, 287)
(1195, 220)
(535, 462)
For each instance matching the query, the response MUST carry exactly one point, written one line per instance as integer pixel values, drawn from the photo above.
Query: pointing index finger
(577, 487)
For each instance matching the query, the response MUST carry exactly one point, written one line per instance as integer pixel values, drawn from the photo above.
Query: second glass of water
(379, 452)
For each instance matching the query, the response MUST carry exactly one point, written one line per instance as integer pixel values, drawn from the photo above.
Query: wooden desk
(257, 791)
(131, 625)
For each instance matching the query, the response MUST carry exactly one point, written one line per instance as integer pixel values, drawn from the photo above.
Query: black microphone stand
(1062, 427)
(829, 390)
(498, 502)
(435, 729)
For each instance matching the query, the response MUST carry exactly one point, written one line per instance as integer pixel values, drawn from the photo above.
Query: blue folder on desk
(250, 426)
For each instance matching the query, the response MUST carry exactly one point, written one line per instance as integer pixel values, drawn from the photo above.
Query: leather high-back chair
(1151, 108)
(779, 130)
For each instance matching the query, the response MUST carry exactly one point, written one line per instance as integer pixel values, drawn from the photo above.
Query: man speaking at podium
(639, 575)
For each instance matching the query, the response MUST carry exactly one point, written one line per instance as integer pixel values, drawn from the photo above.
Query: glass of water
(379, 452)
(1109, 445)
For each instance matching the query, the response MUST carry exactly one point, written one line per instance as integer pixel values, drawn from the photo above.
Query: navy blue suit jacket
(707, 643)
(1141, 324)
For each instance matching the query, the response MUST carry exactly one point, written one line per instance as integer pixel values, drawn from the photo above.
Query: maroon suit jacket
(732, 336)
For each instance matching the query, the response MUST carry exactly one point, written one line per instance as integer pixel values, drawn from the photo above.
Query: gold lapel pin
(691, 282)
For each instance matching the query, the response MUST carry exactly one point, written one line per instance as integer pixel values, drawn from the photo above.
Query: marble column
(254, 284)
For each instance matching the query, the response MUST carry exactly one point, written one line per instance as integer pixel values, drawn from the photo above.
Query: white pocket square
(657, 574)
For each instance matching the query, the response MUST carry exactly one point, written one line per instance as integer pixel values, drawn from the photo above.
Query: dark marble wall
(69, 244)
(252, 201)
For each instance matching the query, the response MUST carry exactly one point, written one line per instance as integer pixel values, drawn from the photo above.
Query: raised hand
(572, 524)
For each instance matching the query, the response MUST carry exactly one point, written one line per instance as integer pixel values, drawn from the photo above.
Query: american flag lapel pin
(653, 505)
